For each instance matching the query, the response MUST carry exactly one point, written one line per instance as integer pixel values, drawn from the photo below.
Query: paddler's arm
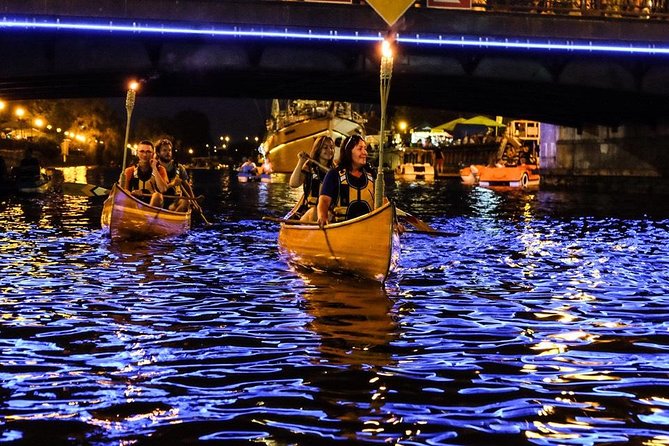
(324, 202)
(160, 175)
(297, 177)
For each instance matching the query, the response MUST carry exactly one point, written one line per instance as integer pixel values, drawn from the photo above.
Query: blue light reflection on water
(545, 322)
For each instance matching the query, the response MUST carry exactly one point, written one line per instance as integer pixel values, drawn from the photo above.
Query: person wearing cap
(348, 191)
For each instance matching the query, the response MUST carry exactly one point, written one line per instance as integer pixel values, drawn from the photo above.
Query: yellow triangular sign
(390, 10)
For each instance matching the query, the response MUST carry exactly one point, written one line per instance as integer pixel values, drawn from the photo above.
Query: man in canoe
(147, 179)
(177, 177)
(309, 175)
(347, 191)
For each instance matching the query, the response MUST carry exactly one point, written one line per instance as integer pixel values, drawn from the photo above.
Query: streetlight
(386, 74)
(129, 105)
(20, 113)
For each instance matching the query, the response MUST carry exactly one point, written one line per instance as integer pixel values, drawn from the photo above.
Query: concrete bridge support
(631, 158)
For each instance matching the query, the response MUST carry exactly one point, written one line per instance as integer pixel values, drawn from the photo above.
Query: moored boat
(245, 177)
(128, 218)
(415, 164)
(294, 130)
(521, 176)
(366, 246)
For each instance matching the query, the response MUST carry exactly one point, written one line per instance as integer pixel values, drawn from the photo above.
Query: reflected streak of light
(660, 440)
(549, 348)
(74, 174)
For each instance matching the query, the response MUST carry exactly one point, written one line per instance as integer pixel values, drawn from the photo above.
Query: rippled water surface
(545, 321)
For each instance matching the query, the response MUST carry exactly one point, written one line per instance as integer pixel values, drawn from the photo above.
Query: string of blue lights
(636, 48)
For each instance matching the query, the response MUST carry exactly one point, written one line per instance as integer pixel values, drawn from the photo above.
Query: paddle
(88, 190)
(289, 221)
(412, 220)
(185, 186)
(182, 197)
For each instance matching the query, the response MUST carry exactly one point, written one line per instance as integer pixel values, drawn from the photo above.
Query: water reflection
(355, 322)
(354, 319)
(543, 322)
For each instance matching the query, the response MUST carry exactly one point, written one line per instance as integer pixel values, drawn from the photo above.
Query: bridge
(571, 67)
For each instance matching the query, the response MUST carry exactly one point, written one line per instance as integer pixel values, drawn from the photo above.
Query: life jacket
(173, 171)
(312, 188)
(352, 201)
(142, 181)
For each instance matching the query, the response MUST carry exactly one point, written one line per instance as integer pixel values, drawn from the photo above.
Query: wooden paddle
(412, 220)
(182, 197)
(290, 221)
(88, 190)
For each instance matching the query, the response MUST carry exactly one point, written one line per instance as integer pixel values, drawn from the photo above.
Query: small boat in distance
(293, 129)
(522, 176)
(126, 217)
(516, 164)
(366, 246)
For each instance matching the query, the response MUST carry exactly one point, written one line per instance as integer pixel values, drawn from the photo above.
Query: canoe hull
(127, 218)
(366, 246)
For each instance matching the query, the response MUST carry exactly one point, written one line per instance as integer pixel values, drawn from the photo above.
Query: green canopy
(448, 126)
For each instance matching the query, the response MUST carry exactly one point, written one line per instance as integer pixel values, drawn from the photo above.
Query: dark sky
(234, 117)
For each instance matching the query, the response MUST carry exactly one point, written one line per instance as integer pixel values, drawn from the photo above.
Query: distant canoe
(38, 185)
(367, 246)
(129, 218)
(244, 177)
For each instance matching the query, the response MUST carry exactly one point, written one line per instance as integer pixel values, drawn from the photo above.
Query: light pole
(129, 105)
(20, 113)
(386, 74)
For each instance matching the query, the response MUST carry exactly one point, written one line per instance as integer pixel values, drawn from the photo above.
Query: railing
(634, 9)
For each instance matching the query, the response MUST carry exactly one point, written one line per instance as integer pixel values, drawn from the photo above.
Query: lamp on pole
(20, 113)
(129, 105)
(386, 74)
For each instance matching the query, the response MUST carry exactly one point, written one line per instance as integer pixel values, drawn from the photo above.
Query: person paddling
(310, 174)
(347, 191)
(177, 177)
(147, 177)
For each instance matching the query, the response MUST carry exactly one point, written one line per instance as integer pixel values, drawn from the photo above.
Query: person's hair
(317, 148)
(163, 142)
(146, 142)
(346, 151)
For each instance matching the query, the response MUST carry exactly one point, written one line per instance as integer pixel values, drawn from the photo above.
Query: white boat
(293, 129)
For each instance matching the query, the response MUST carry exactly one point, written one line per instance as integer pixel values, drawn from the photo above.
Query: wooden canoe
(128, 218)
(367, 246)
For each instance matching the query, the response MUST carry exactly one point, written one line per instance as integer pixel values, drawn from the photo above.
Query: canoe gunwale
(120, 199)
(375, 263)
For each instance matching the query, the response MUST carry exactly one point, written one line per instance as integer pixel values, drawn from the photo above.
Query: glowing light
(133, 85)
(462, 41)
(20, 111)
(386, 49)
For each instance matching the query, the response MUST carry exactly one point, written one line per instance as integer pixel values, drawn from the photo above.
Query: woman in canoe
(348, 191)
(310, 176)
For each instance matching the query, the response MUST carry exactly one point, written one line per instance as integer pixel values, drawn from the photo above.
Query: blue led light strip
(333, 35)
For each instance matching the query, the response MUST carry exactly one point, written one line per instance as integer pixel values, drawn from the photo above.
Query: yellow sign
(390, 10)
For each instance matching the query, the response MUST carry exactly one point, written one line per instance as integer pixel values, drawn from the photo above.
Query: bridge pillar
(631, 158)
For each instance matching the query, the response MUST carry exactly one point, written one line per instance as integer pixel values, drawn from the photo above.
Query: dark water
(545, 322)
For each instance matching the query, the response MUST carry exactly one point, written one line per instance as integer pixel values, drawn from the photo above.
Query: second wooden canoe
(128, 218)
(367, 246)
